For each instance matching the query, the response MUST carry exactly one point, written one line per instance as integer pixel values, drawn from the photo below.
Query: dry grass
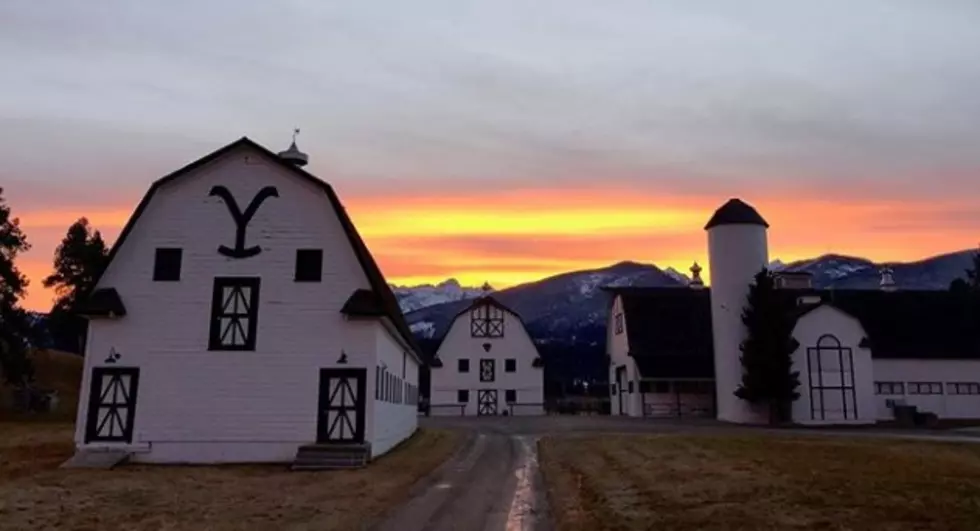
(34, 494)
(716, 483)
(60, 371)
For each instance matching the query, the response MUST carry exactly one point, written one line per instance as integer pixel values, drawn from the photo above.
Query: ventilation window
(309, 265)
(510, 365)
(463, 365)
(166, 264)
(510, 396)
(463, 396)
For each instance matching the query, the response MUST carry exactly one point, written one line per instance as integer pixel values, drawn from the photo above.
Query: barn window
(487, 373)
(925, 388)
(487, 320)
(463, 396)
(463, 365)
(630, 386)
(309, 265)
(166, 264)
(831, 380)
(619, 323)
(889, 388)
(377, 383)
(234, 313)
(510, 365)
(963, 388)
(510, 396)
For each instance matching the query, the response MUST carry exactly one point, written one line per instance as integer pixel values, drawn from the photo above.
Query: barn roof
(386, 302)
(912, 324)
(669, 331)
(484, 300)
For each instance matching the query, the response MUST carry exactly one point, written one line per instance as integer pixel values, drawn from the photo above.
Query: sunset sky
(508, 140)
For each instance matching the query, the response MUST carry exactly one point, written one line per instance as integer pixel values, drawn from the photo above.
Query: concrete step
(331, 456)
(103, 459)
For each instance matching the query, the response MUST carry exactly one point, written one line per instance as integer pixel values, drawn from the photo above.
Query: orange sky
(510, 237)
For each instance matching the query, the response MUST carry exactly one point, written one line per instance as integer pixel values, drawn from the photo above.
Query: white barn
(863, 356)
(241, 318)
(487, 364)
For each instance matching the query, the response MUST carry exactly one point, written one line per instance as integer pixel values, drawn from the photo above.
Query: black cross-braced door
(234, 313)
(341, 410)
(486, 402)
(112, 404)
(487, 370)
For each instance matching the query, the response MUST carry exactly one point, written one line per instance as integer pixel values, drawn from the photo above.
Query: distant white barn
(862, 355)
(242, 318)
(487, 364)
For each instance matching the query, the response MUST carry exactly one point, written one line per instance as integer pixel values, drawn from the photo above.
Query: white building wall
(945, 405)
(394, 419)
(808, 331)
(527, 380)
(197, 405)
(622, 368)
(736, 254)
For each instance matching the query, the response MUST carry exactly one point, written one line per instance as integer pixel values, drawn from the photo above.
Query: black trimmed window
(487, 370)
(487, 320)
(630, 386)
(889, 388)
(234, 313)
(309, 265)
(510, 365)
(510, 396)
(166, 264)
(619, 323)
(925, 388)
(463, 396)
(463, 365)
(963, 388)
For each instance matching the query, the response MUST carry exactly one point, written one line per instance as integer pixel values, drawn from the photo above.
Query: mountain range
(571, 307)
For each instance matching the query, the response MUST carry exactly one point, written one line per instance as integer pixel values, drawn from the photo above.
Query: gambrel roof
(485, 300)
(384, 302)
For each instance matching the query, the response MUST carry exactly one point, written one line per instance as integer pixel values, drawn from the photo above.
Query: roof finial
(486, 289)
(887, 283)
(293, 154)
(696, 281)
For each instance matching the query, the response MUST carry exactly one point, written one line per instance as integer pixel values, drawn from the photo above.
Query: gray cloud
(703, 96)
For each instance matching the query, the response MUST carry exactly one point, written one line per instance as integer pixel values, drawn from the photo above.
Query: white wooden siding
(392, 421)
(809, 328)
(527, 380)
(944, 405)
(189, 395)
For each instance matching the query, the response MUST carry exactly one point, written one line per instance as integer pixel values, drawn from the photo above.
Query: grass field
(35, 494)
(680, 483)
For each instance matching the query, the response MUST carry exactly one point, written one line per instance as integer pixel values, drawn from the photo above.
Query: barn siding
(617, 346)
(527, 380)
(189, 394)
(929, 370)
(393, 421)
(808, 330)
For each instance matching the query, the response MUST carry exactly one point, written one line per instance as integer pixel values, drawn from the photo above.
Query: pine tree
(15, 328)
(767, 351)
(78, 262)
(973, 273)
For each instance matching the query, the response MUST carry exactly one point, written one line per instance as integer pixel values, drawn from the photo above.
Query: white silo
(737, 250)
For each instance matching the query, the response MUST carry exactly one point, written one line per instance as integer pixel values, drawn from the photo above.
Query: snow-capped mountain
(849, 272)
(415, 297)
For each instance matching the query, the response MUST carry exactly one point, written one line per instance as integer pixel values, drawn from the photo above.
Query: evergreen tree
(767, 350)
(973, 273)
(15, 328)
(78, 262)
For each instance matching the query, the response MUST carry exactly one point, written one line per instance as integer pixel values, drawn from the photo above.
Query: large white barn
(863, 355)
(241, 318)
(487, 364)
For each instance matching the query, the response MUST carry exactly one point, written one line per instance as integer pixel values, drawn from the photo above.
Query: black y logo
(242, 219)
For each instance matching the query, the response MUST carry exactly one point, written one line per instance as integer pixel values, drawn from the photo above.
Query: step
(102, 459)
(331, 456)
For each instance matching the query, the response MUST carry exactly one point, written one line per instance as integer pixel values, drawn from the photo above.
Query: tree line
(78, 261)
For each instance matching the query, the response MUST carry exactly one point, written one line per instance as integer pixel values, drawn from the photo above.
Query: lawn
(35, 494)
(715, 483)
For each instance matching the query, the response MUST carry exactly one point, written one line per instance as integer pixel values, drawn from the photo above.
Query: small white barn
(487, 364)
(863, 356)
(241, 318)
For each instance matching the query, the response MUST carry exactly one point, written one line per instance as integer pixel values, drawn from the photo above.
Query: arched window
(830, 376)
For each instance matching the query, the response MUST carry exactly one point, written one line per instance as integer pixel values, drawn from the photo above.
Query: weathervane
(295, 134)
